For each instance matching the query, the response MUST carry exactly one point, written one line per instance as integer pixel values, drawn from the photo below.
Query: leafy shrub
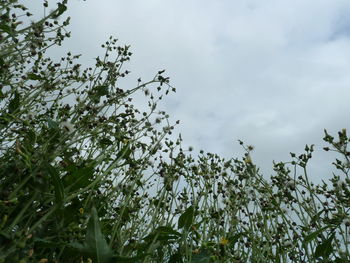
(85, 176)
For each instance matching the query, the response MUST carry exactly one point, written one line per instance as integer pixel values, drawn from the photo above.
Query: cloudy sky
(272, 73)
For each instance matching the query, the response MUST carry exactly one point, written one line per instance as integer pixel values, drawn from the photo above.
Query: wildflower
(67, 126)
(288, 243)
(81, 210)
(248, 160)
(223, 241)
(284, 210)
(250, 191)
(347, 222)
(340, 183)
(250, 147)
(196, 251)
(291, 184)
(18, 148)
(30, 116)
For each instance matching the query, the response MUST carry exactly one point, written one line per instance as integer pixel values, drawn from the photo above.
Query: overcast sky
(272, 73)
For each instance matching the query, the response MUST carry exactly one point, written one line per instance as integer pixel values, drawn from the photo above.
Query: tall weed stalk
(86, 176)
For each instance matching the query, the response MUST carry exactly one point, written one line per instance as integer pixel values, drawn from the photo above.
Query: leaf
(52, 124)
(340, 260)
(78, 178)
(316, 217)
(33, 76)
(59, 190)
(202, 257)
(95, 245)
(7, 29)
(124, 152)
(102, 90)
(175, 258)
(121, 259)
(99, 91)
(163, 233)
(31, 135)
(186, 219)
(314, 234)
(69, 213)
(234, 239)
(60, 10)
(104, 142)
(325, 249)
(277, 257)
(43, 243)
(14, 103)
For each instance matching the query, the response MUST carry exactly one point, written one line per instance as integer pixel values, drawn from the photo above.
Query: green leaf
(43, 243)
(234, 239)
(325, 249)
(124, 152)
(314, 234)
(52, 124)
(60, 10)
(96, 241)
(1, 86)
(104, 142)
(33, 76)
(165, 234)
(277, 257)
(95, 245)
(102, 90)
(120, 259)
(32, 136)
(59, 189)
(202, 257)
(14, 103)
(69, 213)
(316, 217)
(7, 29)
(99, 91)
(186, 219)
(175, 258)
(78, 177)
(341, 260)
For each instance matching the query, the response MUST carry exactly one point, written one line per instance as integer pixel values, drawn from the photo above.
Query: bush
(87, 177)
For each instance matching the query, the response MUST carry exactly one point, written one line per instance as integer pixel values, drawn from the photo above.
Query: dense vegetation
(85, 176)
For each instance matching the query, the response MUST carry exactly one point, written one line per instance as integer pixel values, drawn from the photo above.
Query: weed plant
(85, 176)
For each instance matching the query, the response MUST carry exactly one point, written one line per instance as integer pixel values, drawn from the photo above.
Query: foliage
(85, 176)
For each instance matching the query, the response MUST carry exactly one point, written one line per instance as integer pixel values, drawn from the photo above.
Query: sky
(271, 73)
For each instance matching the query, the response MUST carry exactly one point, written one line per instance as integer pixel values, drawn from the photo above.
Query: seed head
(67, 127)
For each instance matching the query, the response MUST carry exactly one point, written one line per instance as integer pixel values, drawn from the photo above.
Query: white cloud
(274, 73)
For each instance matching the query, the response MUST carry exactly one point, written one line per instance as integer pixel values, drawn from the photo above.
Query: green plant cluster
(85, 176)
